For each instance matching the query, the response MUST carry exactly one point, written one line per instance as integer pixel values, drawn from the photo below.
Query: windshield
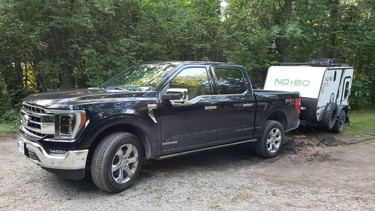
(142, 77)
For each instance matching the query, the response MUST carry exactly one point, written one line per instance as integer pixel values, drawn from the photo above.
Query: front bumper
(71, 160)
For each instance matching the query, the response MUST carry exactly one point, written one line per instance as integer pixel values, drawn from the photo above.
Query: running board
(204, 149)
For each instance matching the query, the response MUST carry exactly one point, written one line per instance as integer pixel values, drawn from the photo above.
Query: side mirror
(176, 95)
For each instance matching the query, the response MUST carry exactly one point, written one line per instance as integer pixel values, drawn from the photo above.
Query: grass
(362, 121)
(6, 129)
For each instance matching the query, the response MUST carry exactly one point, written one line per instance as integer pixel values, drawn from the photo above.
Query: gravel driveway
(305, 176)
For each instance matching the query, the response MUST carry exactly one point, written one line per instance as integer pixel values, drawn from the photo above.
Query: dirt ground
(307, 175)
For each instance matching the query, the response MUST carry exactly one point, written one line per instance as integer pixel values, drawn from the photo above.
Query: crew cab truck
(152, 111)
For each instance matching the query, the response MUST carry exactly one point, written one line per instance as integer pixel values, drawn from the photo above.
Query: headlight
(68, 124)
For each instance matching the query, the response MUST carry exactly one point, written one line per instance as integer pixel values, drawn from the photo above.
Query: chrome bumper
(71, 160)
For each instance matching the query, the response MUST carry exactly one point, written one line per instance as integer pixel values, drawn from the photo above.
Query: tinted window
(230, 81)
(195, 80)
(346, 94)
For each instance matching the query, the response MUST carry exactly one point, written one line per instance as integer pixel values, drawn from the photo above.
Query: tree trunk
(334, 14)
(282, 43)
(287, 10)
(66, 78)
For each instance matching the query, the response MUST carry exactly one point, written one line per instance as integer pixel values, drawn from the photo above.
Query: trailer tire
(340, 122)
(329, 116)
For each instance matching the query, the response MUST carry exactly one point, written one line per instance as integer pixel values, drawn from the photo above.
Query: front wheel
(117, 162)
(270, 143)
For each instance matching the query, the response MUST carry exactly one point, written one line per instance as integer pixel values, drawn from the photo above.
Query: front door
(189, 122)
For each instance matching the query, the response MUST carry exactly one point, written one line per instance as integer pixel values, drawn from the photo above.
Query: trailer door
(346, 87)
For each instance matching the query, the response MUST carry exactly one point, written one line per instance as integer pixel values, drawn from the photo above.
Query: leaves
(81, 43)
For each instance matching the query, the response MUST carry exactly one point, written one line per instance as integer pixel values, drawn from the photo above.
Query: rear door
(236, 104)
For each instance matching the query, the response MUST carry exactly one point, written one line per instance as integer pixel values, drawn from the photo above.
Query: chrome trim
(204, 149)
(36, 119)
(169, 143)
(210, 108)
(247, 104)
(28, 133)
(45, 124)
(151, 108)
(71, 160)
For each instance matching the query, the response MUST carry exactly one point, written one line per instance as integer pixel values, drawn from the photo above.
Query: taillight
(297, 104)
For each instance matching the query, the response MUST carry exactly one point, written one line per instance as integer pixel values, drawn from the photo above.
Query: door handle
(247, 105)
(210, 107)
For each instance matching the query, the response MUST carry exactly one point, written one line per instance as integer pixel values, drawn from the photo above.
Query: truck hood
(86, 96)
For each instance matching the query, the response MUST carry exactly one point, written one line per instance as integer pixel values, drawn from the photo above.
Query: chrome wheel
(125, 163)
(116, 162)
(274, 140)
(271, 141)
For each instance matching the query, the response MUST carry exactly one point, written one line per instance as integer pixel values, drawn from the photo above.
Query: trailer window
(346, 93)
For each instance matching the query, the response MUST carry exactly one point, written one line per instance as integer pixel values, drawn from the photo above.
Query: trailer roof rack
(317, 63)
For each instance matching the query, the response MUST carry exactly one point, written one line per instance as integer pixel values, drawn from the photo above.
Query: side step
(204, 149)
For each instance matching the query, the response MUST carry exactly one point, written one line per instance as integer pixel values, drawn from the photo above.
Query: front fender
(148, 132)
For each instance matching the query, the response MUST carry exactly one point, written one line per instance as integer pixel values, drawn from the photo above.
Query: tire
(271, 141)
(329, 116)
(340, 122)
(116, 162)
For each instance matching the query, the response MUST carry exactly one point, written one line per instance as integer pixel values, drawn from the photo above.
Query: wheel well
(141, 135)
(280, 117)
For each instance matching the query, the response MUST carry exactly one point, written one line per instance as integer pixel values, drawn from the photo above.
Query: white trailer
(324, 88)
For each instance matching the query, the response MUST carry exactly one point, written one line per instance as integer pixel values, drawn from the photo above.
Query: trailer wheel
(329, 116)
(340, 122)
(270, 143)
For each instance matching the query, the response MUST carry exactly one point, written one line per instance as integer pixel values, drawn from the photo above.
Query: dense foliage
(64, 44)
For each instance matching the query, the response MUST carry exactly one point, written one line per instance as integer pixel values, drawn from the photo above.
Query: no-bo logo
(291, 83)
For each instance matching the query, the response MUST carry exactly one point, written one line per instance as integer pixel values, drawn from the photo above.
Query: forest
(48, 45)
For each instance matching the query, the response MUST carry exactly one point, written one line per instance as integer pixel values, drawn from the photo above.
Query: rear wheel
(270, 143)
(117, 162)
(340, 123)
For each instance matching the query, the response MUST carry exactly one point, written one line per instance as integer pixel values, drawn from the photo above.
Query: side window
(195, 80)
(230, 81)
(347, 90)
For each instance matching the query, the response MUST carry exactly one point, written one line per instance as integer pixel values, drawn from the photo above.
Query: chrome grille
(36, 121)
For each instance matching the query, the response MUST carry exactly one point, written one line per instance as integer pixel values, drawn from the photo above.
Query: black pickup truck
(152, 111)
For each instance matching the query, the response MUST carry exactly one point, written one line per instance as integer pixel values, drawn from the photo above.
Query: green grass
(361, 122)
(8, 129)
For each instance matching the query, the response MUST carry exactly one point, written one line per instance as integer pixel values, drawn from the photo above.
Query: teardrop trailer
(324, 86)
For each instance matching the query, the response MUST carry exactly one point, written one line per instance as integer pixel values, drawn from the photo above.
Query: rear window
(230, 81)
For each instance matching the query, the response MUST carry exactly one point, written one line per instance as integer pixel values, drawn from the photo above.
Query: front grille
(33, 109)
(36, 121)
